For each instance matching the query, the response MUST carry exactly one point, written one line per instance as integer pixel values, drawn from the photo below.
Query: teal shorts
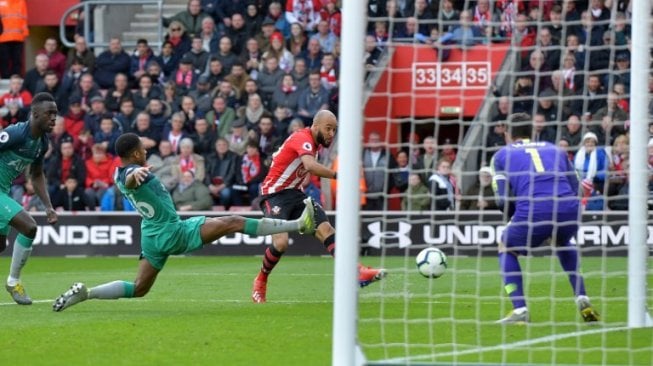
(9, 209)
(182, 237)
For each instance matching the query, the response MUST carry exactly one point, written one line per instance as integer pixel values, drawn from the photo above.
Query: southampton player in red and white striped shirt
(282, 196)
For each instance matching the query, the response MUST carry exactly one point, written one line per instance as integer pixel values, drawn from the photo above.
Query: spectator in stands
(203, 138)
(117, 93)
(483, 16)
(185, 77)
(237, 33)
(163, 164)
(443, 187)
(523, 37)
(198, 55)
(417, 197)
(225, 9)
(201, 94)
(209, 35)
(542, 130)
(408, 33)
(538, 71)
(159, 113)
(572, 132)
(612, 110)
(16, 94)
(254, 110)
(600, 14)
(372, 54)
(297, 42)
(579, 53)
(572, 80)
(226, 91)
(547, 106)
(622, 98)
(400, 171)
(550, 50)
(93, 118)
(189, 109)
(84, 144)
(56, 59)
(589, 33)
(111, 62)
(99, 175)
(281, 23)
(107, 134)
(267, 137)
(190, 194)
(220, 116)
(215, 72)
(13, 115)
(325, 37)
(238, 78)
(620, 73)
(83, 53)
(146, 91)
(12, 38)
(606, 130)
(278, 50)
(70, 196)
(375, 167)
(251, 57)
(312, 99)
(251, 87)
(253, 19)
(269, 78)
(52, 86)
(556, 27)
(191, 18)
(150, 137)
(523, 95)
(312, 55)
(126, 116)
(64, 165)
(328, 72)
(252, 169)
(35, 76)
(496, 138)
(619, 187)
(448, 16)
(285, 98)
(225, 55)
(139, 59)
(304, 12)
(174, 131)
(619, 155)
(222, 174)
(57, 136)
(466, 34)
(187, 160)
(178, 39)
(425, 162)
(238, 136)
(168, 59)
(480, 195)
(592, 98)
(74, 117)
(592, 163)
(85, 91)
(331, 14)
(621, 30)
(502, 110)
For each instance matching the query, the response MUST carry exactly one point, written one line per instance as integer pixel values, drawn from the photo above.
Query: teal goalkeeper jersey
(151, 200)
(18, 150)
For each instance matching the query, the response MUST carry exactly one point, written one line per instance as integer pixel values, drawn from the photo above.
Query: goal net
(442, 81)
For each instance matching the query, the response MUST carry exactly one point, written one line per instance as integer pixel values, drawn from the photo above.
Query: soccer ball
(431, 262)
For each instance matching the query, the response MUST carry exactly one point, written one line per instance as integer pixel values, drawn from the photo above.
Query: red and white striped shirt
(287, 170)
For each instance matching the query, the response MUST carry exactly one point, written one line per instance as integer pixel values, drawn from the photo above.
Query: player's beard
(321, 140)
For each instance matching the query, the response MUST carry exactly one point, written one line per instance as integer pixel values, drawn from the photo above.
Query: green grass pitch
(199, 313)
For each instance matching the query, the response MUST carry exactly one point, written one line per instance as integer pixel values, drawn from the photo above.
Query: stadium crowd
(234, 78)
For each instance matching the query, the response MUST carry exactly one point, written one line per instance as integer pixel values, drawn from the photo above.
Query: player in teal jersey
(21, 146)
(163, 233)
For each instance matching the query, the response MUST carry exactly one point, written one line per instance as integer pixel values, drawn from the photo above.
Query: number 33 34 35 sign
(451, 75)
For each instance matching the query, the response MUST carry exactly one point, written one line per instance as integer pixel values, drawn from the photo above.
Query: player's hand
(140, 174)
(51, 215)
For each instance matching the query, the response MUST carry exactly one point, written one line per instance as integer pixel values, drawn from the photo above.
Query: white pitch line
(504, 347)
(33, 301)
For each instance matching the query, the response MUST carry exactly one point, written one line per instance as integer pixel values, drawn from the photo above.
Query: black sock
(330, 244)
(270, 259)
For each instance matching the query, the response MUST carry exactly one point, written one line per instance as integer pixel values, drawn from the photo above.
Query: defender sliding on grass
(537, 188)
(163, 233)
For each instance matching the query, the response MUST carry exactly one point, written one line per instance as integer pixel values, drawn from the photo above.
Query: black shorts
(288, 204)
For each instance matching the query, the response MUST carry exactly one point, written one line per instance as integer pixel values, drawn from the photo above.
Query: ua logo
(401, 235)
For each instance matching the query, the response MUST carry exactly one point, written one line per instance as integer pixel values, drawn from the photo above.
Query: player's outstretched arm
(136, 177)
(38, 181)
(316, 168)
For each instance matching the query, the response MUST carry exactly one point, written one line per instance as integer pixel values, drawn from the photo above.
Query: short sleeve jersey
(151, 200)
(287, 170)
(19, 149)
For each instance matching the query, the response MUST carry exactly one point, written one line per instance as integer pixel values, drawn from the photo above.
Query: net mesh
(443, 79)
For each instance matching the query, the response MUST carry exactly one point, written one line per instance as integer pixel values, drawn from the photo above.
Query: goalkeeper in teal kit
(537, 188)
(163, 233)
(23, 145)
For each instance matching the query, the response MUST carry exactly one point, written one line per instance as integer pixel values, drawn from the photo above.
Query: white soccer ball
(431, 262)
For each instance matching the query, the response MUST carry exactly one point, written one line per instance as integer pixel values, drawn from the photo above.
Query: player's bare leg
(26, 227)
(78, 292)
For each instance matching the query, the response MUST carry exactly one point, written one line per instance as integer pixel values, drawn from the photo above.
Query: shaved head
(324, 127)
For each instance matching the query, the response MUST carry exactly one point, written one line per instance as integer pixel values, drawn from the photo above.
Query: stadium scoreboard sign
(451, 75)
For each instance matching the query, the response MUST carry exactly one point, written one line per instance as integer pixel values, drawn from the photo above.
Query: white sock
(582, 298)
(18, 260)
(520, 311)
